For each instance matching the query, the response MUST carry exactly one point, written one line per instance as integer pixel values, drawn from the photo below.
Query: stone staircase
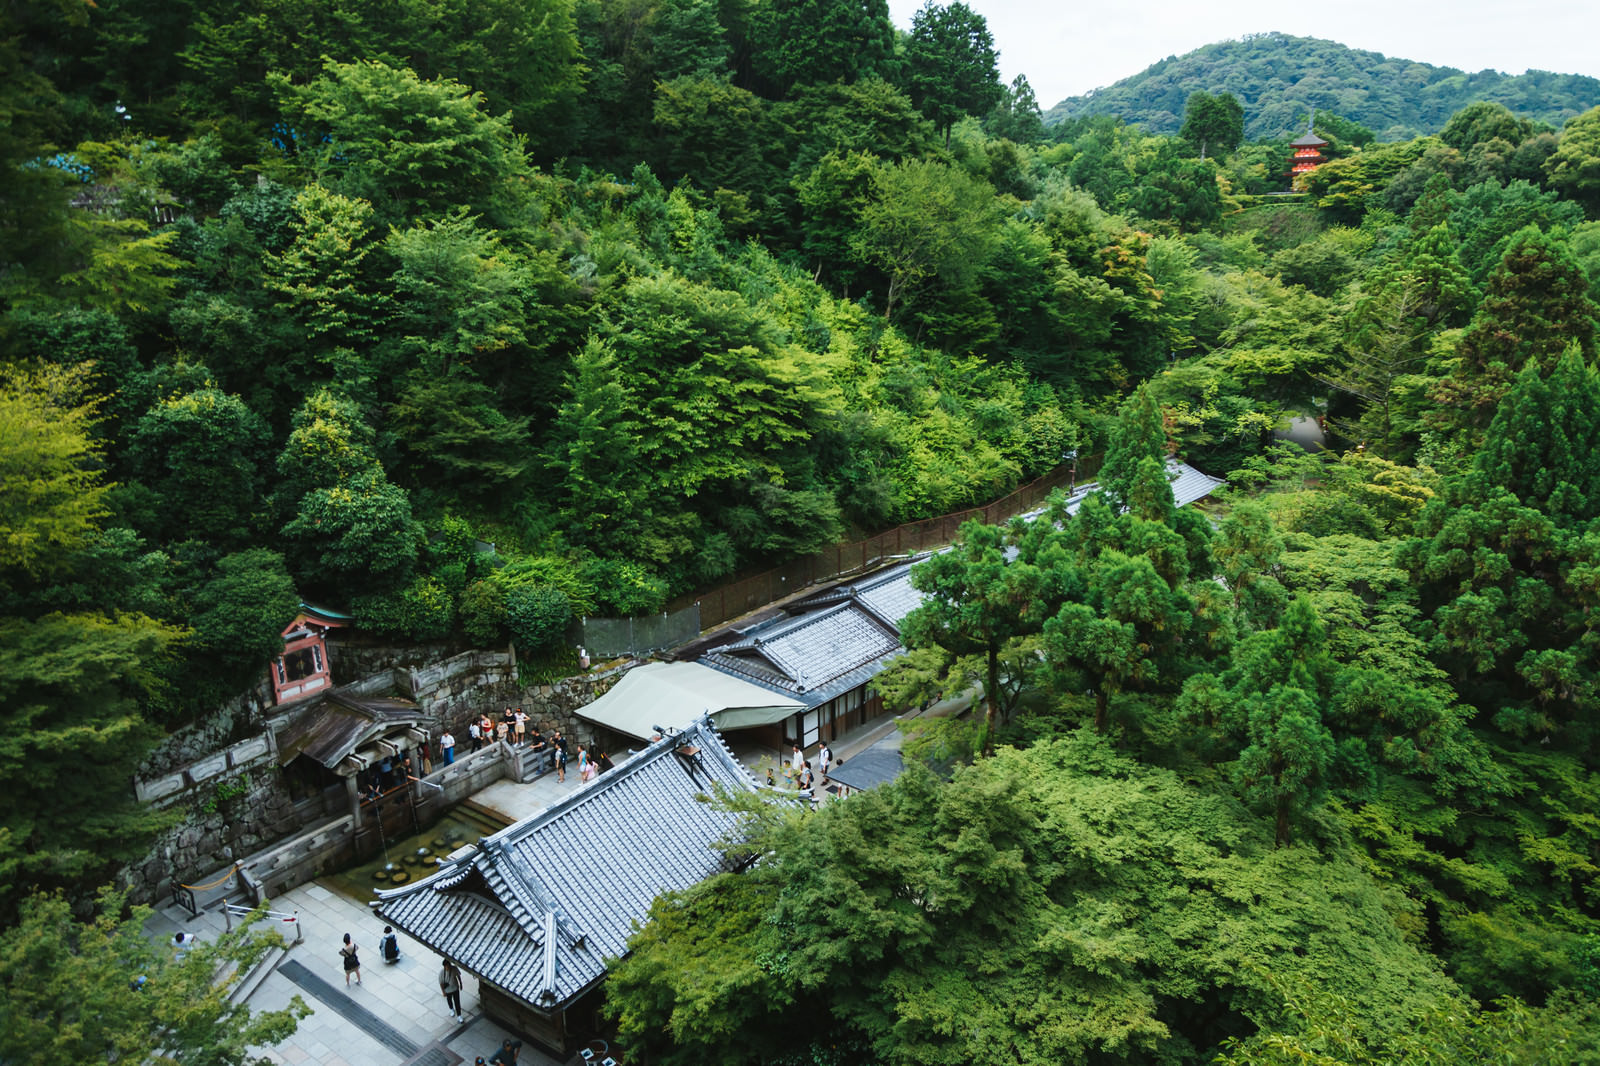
(533, 764)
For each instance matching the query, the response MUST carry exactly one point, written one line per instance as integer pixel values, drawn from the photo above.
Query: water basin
(414, 857)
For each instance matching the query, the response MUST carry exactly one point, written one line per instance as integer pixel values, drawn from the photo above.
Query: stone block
(160, 788)
(208, 767)
(250, 749)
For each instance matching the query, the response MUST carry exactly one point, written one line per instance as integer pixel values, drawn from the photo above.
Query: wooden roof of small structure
(333, 726)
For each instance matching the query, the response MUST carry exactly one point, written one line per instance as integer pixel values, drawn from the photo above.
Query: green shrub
(623, 588)
(422, 610)
(537, 615)
(483, 612)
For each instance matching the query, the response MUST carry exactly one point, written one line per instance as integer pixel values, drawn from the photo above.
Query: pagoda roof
(1308, 139)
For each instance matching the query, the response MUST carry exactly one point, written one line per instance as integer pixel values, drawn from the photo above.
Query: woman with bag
(450, 985)
(352, 964)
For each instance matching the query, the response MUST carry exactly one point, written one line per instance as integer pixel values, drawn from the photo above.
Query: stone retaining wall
(220, 826)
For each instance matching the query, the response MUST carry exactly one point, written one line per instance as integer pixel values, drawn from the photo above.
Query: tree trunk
(1282, 839)
(990, 717)
(1101, 718)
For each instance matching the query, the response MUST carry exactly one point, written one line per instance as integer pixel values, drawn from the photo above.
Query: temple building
(535, 910)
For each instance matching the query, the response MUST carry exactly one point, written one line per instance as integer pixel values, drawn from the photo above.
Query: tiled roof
(1189, 484)
(566, 885)
(873, 767)
(802, 655)
(887, 593)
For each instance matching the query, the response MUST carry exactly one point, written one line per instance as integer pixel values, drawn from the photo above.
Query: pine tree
(1138, 433)
(1539, 444)
(1537, 302)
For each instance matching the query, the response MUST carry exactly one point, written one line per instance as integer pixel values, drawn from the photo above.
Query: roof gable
(806, 653)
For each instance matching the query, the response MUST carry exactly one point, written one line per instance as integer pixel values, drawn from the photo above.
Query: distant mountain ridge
(1281, 79)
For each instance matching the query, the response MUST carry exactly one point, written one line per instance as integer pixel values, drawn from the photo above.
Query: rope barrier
(214, 884)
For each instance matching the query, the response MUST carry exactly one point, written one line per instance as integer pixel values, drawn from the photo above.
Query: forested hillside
(311, 302)
(1281, 80)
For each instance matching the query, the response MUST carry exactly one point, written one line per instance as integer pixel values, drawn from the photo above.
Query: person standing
(447, 747)
(825, 759)
(502, 729)
(450, 985)
(796, 761)
(352, 962)
(522, 727)
(559, 743)
(805, 777)
(507, 1055)
(474, 734)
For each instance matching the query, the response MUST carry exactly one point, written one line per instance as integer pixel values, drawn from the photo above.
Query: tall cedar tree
(951, 65)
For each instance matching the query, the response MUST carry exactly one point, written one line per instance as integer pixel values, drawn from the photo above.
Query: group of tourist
(799, 771)
(450, 984)
(515, 728)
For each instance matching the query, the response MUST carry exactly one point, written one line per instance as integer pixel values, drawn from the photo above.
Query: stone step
(247, 985)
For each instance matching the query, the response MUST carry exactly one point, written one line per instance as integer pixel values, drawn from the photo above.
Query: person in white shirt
(447, 747)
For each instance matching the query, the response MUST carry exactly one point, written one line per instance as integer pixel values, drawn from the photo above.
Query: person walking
(352, 962)
(805, 777)
(825, 759)
(447, 747)
(474, 734)
(450, 985)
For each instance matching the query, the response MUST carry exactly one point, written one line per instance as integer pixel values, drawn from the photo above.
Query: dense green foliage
(472, 319)
(124, 997)
(1282, 79)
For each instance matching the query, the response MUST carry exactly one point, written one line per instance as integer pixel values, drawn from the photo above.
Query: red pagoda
(1307, 153)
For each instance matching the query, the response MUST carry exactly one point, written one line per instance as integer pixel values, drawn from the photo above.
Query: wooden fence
(726, 602)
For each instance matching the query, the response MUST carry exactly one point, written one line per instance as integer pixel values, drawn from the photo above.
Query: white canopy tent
(673, 695)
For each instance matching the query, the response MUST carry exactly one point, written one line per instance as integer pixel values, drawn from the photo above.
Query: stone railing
(168, 789)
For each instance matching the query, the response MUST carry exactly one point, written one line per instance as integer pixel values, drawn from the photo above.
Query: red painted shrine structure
(302, 669)
(1307, 153)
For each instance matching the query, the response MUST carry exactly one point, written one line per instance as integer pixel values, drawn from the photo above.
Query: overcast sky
(1068, 48)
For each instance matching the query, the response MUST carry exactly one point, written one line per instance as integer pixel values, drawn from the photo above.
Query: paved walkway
(396, 1015)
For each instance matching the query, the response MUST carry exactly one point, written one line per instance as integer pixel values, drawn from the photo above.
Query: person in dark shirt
(507, 1055)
